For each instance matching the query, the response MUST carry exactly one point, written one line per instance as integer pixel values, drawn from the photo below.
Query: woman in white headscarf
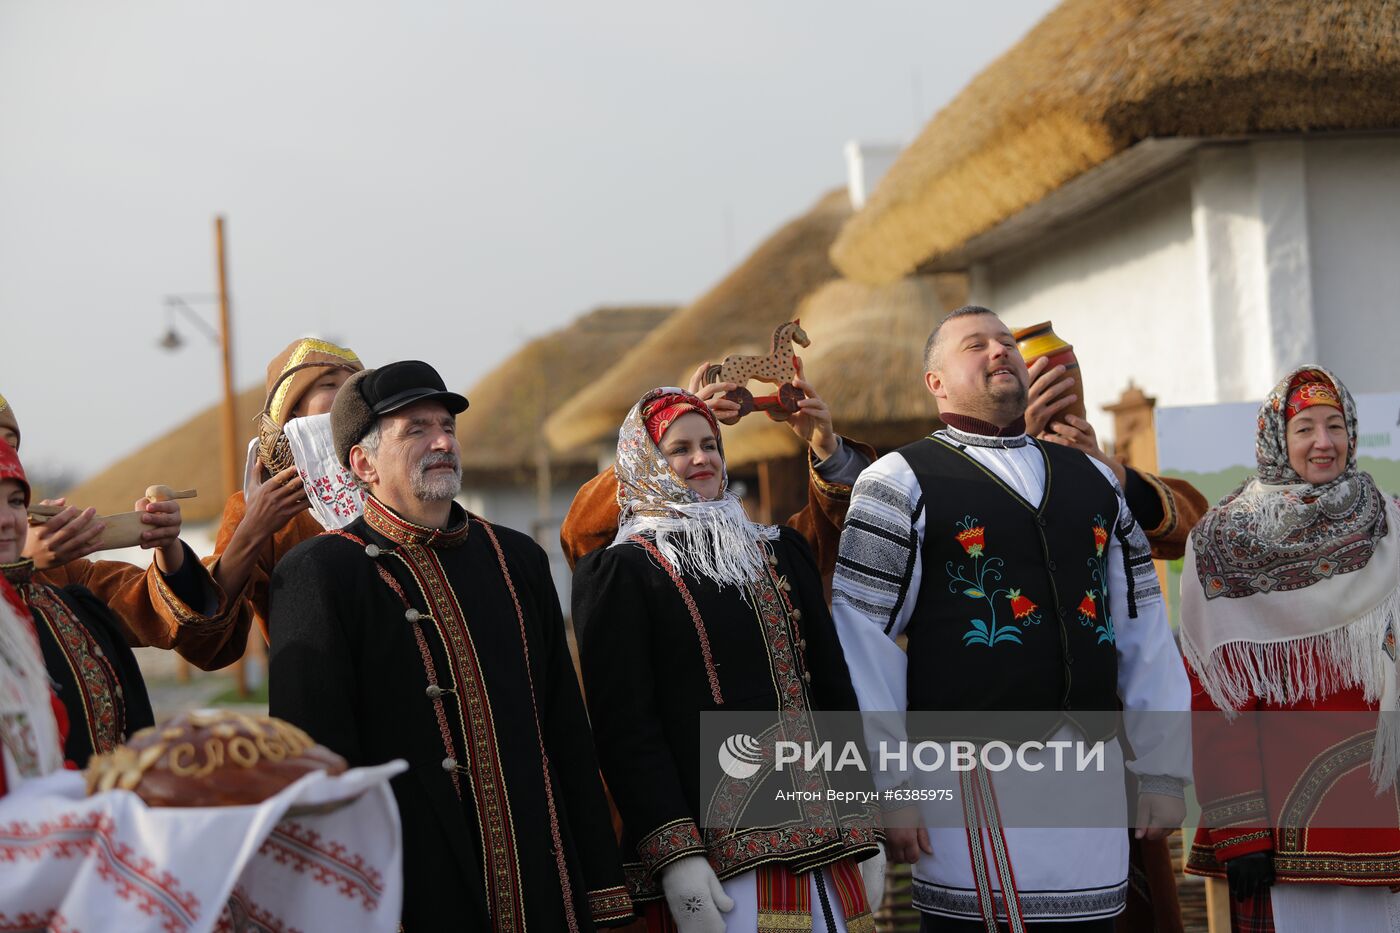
(694, 608)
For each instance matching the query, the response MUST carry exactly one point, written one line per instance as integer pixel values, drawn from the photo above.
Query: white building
(1199, 195)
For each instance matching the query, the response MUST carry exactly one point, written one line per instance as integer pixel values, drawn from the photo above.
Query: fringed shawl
(28, 726)
(711, 539)
(1291, 591)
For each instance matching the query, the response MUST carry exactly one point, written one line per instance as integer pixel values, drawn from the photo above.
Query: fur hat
(351, 416)
(372, 393)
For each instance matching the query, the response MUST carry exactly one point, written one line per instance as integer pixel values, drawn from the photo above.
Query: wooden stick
(163, 493)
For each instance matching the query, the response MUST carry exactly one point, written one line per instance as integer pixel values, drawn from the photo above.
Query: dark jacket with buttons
(651, 667)
(383, 649)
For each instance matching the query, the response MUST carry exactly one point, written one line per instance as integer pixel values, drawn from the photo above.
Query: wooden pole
(230, 428)
(230, 417)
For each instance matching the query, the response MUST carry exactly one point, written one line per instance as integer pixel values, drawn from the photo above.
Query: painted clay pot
(1040, 340)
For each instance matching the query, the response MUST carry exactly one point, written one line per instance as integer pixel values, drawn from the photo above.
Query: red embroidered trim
(710, 673)
(27, 922)
(820, 829)
(402, 531)
(93, 674)
(565, 882)
(609, 904)
(483, 764)
(241, 914)
(328, 862)
(134, 877)
(439, 710)
(668, 843)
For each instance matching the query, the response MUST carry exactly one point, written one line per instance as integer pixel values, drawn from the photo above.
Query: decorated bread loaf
(211, 759)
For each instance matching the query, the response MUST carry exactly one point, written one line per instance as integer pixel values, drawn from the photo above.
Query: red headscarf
(662, 412)
(1310, 388)
(11, 468)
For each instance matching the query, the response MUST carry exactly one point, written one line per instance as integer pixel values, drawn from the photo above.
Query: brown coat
(1182, 507)
(151, 615)
(299, 529)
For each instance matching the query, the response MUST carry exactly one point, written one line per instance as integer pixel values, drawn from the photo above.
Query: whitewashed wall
(1207, 284)
(1120, 287)
(1354, 234)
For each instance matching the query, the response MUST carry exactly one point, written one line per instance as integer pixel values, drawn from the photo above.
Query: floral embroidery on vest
(1098, 595)
(980, 584)
(96, 679)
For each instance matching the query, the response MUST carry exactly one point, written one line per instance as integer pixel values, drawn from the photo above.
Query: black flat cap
(372, 393)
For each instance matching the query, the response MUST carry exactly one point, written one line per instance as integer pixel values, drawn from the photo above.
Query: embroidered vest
(1012, 613)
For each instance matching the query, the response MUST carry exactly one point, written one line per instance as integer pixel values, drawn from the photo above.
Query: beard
(437, 485)
(1007, 398)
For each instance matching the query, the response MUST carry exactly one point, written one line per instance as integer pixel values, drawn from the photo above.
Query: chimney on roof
(866, 164)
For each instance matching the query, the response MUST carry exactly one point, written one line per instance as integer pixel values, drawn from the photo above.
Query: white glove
(695, 896)
(872, 872)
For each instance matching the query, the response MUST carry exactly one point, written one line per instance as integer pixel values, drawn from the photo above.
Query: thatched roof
(866, 360)
(186, 458)
(744, 307)
(500, 432)
(1095, 77)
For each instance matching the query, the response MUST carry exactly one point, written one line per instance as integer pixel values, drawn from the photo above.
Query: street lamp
(178, 305)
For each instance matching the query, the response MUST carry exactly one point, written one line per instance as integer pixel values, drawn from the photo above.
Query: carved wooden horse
(779, 368)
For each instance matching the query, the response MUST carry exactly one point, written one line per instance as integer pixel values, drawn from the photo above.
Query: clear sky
(441, 180)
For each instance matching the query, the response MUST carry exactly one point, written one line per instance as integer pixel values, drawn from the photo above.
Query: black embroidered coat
(94, 672)
(447, 649)
(651, 666)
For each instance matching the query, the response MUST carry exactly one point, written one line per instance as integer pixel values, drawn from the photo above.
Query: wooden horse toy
(779, 368)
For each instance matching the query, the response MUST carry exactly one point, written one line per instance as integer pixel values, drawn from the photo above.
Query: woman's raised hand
(812, 423)
(726, 411)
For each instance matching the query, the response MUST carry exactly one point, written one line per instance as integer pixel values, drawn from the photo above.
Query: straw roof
(1095, 77)
(866, 360)
(186, 458)
(745, 306)
(500, 432)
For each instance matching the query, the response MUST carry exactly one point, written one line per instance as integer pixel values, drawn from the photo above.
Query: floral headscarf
(1278, 533)
(11, 468)
(1292, 589)
(712, 539)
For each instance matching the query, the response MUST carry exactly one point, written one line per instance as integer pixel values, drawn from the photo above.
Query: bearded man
(421, 632)
(1020, 581)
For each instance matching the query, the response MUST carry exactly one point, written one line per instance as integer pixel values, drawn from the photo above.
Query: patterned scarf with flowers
(1292, 589)
(708, 538)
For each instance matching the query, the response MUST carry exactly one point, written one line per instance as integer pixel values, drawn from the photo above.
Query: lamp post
(179, 305)
(223, 337)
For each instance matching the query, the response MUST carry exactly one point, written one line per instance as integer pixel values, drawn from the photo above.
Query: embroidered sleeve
(1163, 784)
(217, 606)
(665, 844)
(873, 593)
(877, 566)
(838, 473)
(1232, 843)
(609, 904)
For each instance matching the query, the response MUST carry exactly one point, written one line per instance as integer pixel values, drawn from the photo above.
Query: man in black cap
(423, 633)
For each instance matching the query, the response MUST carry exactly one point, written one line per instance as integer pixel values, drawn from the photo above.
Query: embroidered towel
(110, 864)
(335, 499)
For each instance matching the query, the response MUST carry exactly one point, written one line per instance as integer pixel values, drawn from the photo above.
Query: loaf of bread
(211, 759)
